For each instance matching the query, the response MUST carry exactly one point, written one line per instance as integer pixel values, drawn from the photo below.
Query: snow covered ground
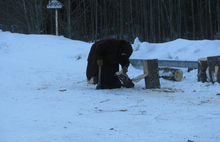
(44, 96)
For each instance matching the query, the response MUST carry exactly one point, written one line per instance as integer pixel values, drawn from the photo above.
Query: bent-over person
(108, 53)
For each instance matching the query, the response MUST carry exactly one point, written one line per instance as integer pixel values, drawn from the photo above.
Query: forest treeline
(89, 20)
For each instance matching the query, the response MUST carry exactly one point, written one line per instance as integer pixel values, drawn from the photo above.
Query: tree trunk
(199, 7)
(69, 28)
(163, 27)
(38, 18)
(180, 19)
(218, 13)
(159, 25)
(210, 20)
(131, 23)
(151, 23)
(206, 21)
(96, 20)
(92, 23)
(171, 19)
(26, 17)
(185, 23)
(193, 21)
(105, 18)
(121, 19)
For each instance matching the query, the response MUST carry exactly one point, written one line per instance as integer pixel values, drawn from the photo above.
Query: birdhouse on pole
(55, 4)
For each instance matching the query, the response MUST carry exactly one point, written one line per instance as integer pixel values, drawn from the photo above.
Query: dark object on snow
(113, 52)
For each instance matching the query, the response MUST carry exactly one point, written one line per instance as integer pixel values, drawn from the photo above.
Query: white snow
(45, 96)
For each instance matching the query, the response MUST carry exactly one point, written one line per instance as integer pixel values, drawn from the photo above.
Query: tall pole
(56, 18)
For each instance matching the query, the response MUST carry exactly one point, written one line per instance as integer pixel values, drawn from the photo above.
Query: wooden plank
(140, 77)
(175, 63)
(138, 63)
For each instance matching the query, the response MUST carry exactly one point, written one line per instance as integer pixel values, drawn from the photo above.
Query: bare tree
(193, 20)
(179, 19)
(218, 18)
(159, 23)
(200, 13)
(210, 19)
(68, 14)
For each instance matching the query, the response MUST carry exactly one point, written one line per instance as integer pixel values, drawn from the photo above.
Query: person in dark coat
(108, 53)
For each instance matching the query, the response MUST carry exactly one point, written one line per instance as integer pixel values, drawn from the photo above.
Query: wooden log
(202, 67)
(171, 74)
(213, 71)
(218, 74)
(151, 68)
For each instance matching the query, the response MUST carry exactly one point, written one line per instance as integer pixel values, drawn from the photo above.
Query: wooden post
(55, 4)
(202, 67)
(214, 65)
(56, 19)
(151, 68)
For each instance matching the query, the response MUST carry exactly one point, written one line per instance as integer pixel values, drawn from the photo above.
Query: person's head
(126, 50)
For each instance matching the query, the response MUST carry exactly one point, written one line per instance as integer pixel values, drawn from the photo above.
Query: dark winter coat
(110, 51)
